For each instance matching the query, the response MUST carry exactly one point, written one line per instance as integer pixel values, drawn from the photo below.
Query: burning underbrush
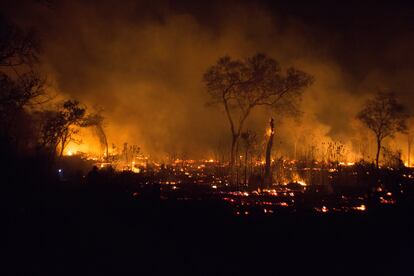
(297, 186)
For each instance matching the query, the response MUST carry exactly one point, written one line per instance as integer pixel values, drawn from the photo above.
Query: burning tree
(268, 177)
(384, 116)
(240, 86)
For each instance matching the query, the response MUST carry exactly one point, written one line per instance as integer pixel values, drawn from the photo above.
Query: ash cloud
(142, 62)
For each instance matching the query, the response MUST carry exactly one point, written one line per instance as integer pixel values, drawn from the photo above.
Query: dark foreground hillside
(83, 233)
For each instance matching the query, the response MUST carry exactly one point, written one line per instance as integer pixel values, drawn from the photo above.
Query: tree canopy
(240, 86)
(384, 116)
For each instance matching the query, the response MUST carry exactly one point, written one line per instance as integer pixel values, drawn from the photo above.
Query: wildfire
(269, 132)
(408, 165)
(346, 163)
(362, 207)
(297, 179)
(302, 183)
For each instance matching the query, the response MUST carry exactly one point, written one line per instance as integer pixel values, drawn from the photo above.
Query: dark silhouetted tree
(384, 116)
(60, 126)
(21, 87)
(17, 47)
(15, 96)
(240, 86)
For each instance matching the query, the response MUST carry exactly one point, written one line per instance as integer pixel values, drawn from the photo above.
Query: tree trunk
(62, 145)
(378, 153)
(268, 175)
(61, 150)
(245, 167)
(409, 150)
(238, 165)
(232, 158)
(103, 140)
(64, 141)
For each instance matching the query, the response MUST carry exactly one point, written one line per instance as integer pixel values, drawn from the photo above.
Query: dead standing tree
(240, 86)
(267, 181)
(96, 120)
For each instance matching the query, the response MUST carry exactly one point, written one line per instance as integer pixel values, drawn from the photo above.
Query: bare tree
(96, 120)
(385, 117)
(241, 86)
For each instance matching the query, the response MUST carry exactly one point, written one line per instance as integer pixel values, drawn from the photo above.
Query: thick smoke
(143, 64)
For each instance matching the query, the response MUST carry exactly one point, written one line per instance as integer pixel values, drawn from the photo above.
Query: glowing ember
(361, 208)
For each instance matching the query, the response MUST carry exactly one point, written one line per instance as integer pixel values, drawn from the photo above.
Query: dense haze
(143, 62)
